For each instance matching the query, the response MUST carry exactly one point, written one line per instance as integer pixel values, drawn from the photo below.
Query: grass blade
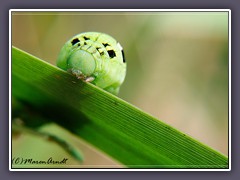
(114, 126)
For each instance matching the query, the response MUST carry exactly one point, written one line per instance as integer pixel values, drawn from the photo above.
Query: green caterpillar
(94, 57)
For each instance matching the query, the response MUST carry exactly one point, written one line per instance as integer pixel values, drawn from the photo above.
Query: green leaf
(124, 132)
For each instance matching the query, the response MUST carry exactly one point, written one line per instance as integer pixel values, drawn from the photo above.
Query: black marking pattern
(101, 52)
(75, 41)
(105, 44)
(111, 53)
(124, 60)
(86, 38)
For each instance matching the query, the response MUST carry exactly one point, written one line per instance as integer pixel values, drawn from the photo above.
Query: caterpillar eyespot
(94, 57)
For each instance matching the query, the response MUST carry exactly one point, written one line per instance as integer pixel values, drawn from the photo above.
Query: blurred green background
(177, 70)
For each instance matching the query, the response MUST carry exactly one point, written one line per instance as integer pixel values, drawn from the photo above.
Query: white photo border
(119, 10)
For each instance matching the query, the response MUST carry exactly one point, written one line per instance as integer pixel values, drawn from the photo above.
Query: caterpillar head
(96, 56)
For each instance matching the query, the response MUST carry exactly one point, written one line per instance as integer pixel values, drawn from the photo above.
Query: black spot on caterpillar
(101, 52)
(86, 38)
(111, 53)
(105, 44)
(75, 41)
(123, 56)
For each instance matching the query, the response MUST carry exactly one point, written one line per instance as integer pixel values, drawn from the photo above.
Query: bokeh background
(177, 71)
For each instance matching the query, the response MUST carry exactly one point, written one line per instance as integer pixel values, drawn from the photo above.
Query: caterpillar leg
(80, 75)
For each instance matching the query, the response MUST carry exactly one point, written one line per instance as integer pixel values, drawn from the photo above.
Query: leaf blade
(121, 130)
